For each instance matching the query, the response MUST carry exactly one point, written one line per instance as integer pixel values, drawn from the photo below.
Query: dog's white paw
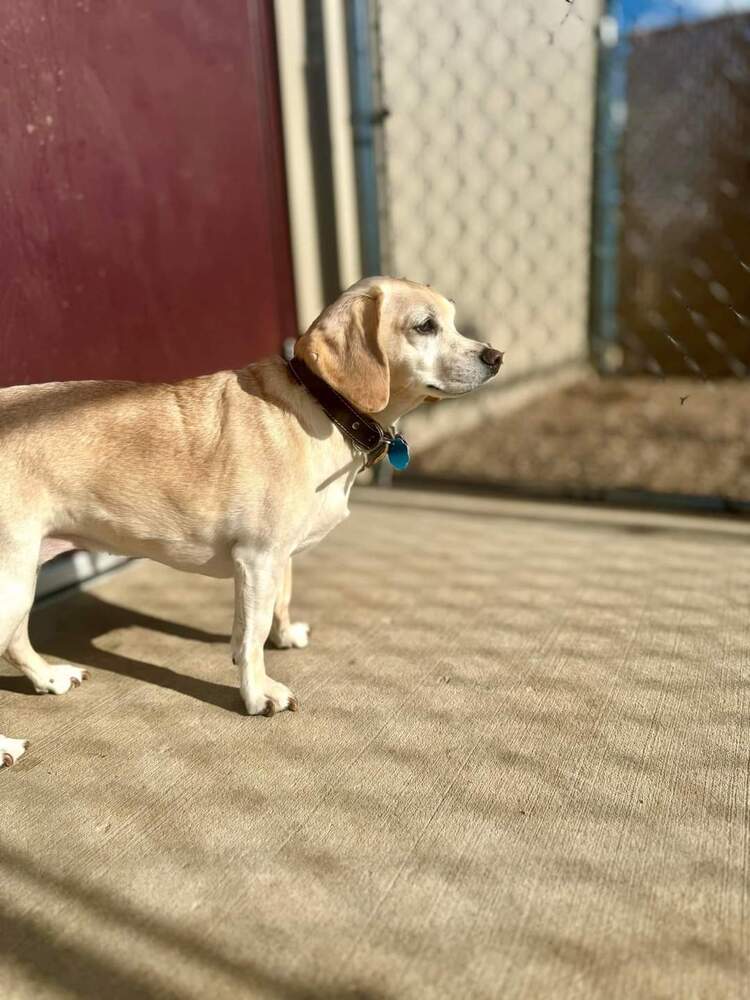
(58, 679)
(299, 634)
(273, 697)
(295, 636)
(11, 751)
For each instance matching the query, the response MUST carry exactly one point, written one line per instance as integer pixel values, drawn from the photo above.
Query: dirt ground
(675, 436)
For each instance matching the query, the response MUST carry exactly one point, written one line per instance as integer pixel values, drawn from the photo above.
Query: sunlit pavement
(520, 769)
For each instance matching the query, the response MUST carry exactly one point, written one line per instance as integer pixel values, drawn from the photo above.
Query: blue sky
(654, 13)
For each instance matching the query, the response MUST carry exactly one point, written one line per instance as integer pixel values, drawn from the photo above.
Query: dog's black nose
(492, 358)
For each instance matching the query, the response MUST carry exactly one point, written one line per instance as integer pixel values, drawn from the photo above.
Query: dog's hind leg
(46, 677)
(17, 575)
(18, 567)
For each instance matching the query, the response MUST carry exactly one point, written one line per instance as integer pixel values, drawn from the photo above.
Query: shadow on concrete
(87, 618)
(84, 969)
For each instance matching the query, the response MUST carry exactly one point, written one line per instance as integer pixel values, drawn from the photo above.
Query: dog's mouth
(460, 388)
(447, 393)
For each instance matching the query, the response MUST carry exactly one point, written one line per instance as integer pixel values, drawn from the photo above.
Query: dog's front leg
(286, 634)
(256, 582)
(11, 750)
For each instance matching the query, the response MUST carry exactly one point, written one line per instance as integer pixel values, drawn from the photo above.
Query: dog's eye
(426, 326)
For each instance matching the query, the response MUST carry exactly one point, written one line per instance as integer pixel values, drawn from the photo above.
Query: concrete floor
(520, 769)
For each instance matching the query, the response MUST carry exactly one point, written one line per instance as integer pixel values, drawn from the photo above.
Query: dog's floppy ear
(343, 346)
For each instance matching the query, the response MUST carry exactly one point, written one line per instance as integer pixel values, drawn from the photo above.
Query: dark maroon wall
(143, 226)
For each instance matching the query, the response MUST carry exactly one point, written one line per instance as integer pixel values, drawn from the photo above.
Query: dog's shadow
(67, 630)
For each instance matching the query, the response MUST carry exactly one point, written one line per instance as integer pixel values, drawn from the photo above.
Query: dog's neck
(398, 406)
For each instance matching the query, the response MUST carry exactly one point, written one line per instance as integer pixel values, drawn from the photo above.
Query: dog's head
(388, 340)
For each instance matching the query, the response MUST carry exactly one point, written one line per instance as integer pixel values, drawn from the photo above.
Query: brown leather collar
(364, 432)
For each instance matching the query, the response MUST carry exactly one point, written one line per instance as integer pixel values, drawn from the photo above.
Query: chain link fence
(576, 176)
(684, 260)
(488, 146)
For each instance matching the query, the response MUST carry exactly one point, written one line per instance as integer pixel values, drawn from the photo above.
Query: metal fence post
(368, 115)
(611, 110)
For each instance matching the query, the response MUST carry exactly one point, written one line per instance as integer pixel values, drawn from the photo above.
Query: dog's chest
(329, 508)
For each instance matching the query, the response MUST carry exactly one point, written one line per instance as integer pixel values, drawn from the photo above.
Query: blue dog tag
(398, 452)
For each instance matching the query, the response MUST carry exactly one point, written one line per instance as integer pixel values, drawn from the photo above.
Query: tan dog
(227, 475)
